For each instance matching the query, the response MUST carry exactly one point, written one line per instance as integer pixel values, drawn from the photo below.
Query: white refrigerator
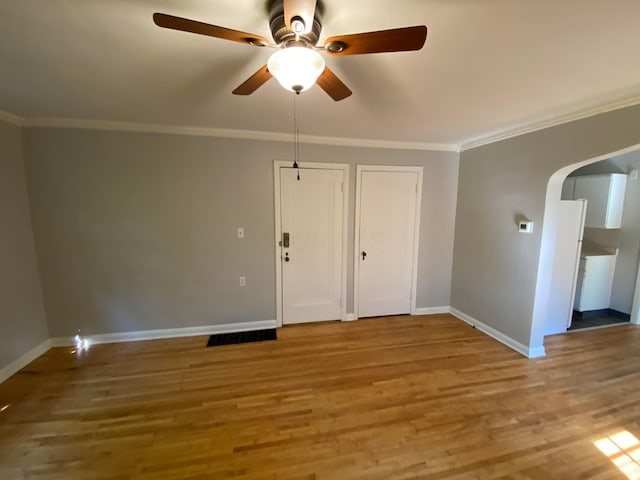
(571, 214)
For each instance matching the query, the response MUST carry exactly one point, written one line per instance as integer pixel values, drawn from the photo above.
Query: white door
(386, 246)
(571, 215)
(311, 215)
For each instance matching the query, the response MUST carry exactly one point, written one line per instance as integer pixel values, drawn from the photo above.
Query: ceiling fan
(295, 26)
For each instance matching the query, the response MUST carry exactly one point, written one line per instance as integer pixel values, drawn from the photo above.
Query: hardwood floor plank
(424, 397)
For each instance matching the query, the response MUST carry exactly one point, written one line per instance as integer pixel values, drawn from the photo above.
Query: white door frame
(344, 167)
(416, 236)
(635, 307)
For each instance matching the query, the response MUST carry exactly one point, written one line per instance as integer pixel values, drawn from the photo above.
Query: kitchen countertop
(592, 250)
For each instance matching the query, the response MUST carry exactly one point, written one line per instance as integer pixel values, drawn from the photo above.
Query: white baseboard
(349, 317)
(501, 337)
(35, 352)
(166, 333)
(537, 352)
(24, 360)
(432, 310)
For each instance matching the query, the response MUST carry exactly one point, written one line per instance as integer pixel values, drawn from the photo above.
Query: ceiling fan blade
(254, 82)
(333, 85)
(304, 9)
(394, 40)
(186, 25)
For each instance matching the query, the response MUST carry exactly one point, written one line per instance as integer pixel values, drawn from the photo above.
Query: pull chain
(296, 136)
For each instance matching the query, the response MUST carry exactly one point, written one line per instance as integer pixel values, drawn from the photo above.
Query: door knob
(364, 254)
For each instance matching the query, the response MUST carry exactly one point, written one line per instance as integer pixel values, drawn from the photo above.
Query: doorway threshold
(598, 319)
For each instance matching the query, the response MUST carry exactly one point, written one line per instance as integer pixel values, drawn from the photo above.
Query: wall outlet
(243, 281)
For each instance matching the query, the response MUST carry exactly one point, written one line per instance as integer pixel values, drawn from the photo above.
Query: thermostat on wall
(525, 227)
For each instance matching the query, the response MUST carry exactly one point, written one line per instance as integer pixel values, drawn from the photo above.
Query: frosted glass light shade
(296, 68)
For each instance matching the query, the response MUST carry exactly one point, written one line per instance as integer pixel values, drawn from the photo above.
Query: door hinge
(416, 188)
(342, 187)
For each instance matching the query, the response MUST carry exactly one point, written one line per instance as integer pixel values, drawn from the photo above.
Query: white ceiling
(487, 66)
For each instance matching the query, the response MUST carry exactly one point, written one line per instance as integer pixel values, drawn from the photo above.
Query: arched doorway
(544, 285)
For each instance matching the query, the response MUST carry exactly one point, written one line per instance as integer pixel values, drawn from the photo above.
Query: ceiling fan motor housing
(283, 34)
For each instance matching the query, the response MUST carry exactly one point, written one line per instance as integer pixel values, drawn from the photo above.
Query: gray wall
(22, 320)
(626, 273)
(495, 268)
(137, 231)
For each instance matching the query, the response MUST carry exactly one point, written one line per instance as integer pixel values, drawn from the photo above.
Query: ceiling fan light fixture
(296, 68)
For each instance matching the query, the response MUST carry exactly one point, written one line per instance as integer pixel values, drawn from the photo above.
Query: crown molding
(231, 133)
(492, 137)
(11, 118)
(506, 133)
(369, 143)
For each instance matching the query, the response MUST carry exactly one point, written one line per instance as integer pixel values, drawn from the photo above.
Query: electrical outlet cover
(525, 227)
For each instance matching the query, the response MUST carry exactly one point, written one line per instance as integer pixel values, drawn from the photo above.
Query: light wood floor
(390, 398)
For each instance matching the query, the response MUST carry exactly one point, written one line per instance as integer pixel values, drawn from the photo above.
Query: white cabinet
(605, 197)
(595, 281)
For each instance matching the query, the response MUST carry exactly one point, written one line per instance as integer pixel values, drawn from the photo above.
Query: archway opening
(551, 220)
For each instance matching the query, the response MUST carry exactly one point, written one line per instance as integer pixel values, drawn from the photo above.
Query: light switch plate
(525, 227)
(240, 232)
